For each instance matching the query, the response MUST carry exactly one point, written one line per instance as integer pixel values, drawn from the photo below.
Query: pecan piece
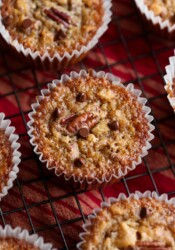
(148, 244)
(58, 16)
(155, 248)
(84, 120)
(62, 15)
(65, 121)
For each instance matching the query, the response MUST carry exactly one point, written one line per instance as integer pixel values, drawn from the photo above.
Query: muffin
(170, 81)
(140, 222)
(85, 127)
(55, 29)
(9, 155)
(18, 239)
(14, 244)
(163, 8)
(160, 14)
(5, 159)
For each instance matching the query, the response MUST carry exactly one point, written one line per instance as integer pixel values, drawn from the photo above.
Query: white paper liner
(9, 131)
(137, 195)
(156, 20)
(68, 58)
(116, 81)
(18, 233)
(170, 74)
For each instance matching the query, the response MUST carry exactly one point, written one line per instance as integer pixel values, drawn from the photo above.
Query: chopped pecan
(62, 15)
(65, 121)
(58, 16)
(150, 244)
(155, 248)
(84, 120)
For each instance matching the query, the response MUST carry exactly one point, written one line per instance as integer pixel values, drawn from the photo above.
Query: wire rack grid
(37, 201)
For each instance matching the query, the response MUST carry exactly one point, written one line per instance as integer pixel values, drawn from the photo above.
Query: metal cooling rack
(37, 201)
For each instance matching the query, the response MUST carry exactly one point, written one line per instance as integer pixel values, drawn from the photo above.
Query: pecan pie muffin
(170, 82)
(163, 8)
(5, 159)
(14, 244)
(18, 239)
(59, 26)
(87, 127)
(138, 224)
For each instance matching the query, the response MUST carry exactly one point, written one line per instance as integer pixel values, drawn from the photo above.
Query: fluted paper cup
(162, 27)
(137, 195)
(23, 235)
(12, 137)
(84, 181)
(170, 81)
(58, 61)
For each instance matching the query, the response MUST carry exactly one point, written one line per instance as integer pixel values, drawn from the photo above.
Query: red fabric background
(37, 201)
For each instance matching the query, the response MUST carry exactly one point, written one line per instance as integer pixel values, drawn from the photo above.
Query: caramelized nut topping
(143, 213)
(83, 132)
(81, 97)
(114, 125)
(78, 162)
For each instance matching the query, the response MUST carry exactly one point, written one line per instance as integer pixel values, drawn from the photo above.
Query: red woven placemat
(38, 201)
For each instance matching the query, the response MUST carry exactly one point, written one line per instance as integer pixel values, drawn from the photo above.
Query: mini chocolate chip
(138, 235)
(114, 125)
(83, 132)
(143, 212)
(26, 23)
(78, 162)
(60, 34)
(6, 20)
(81, 97)
(56, 113)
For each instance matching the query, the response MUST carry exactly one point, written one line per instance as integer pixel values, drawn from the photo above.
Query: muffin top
(15, 244)
(5, 159)
(143, 224)
(54, 26)
(88, 126)
(163, 8)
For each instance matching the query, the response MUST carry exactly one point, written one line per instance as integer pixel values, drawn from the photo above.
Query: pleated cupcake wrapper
(159, 25)
(9, 131)
(170, 74)
(18, 233)
(83, 180)
(137, 195)
(58, 61)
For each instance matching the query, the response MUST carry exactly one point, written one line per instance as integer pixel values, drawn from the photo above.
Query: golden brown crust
(103, 148)
(15, 244)
(5, 159)
(140, 224)
(54, 26)
(163, 8)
